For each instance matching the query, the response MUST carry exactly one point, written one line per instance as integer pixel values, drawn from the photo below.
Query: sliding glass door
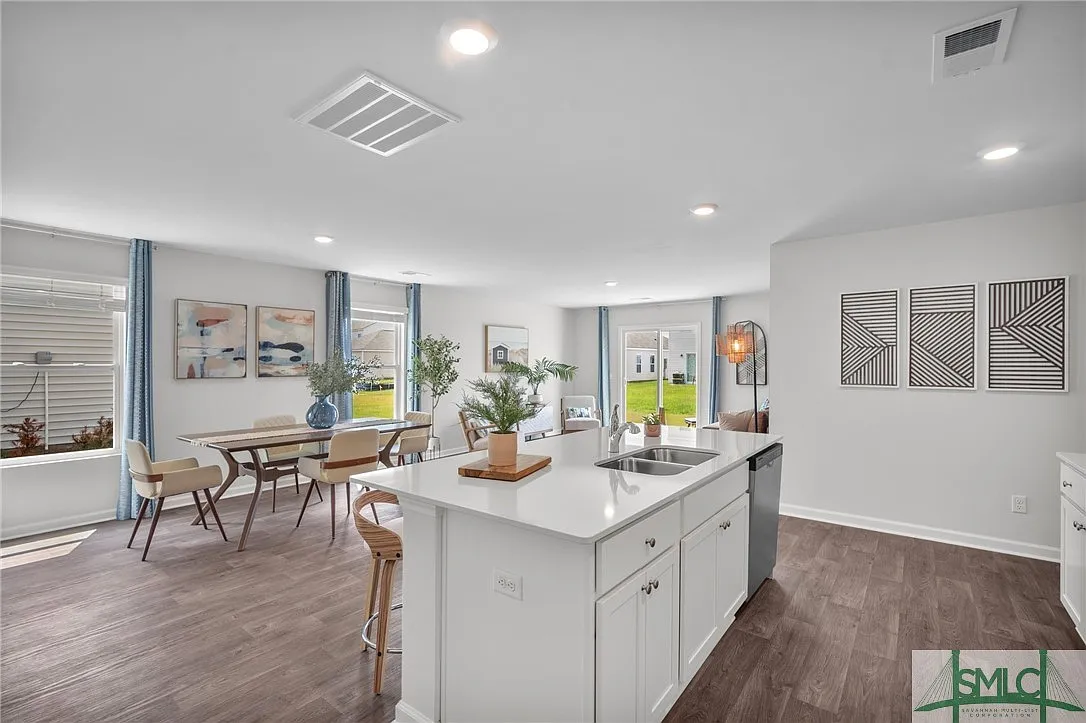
(660, 369)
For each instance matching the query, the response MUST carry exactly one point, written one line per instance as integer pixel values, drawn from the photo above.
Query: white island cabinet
(1073, 536)
(580, 593)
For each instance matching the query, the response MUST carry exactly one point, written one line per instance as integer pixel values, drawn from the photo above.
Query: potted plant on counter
(500, 402)
(537, 374)
(652, 424)
(335, 376)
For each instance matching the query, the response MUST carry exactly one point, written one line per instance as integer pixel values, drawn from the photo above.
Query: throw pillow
(578, 413)
(735, 421)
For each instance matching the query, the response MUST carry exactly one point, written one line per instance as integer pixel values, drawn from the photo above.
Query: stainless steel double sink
(659, 461)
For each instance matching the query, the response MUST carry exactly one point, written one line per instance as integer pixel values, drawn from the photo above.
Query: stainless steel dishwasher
(765, 506)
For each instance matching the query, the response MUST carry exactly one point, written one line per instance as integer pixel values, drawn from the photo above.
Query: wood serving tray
(526, 465)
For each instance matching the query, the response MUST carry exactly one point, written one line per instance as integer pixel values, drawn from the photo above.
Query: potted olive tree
(502, 403)
(433, 368)
(335, 376)
(537, 374)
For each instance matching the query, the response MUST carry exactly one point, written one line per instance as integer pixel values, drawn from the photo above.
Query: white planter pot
(535, 398)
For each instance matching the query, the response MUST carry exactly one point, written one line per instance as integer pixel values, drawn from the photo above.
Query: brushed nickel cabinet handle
(725, 524)
(650, 541)
(647, 589)
(1067, 484)
(655, 584)
(1078, 525)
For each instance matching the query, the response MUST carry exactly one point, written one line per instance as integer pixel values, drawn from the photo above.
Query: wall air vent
(970, 47)
(377, 116)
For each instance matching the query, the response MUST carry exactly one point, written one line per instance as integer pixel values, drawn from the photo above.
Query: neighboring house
(374, 339)
(641, 355)
(682, 354)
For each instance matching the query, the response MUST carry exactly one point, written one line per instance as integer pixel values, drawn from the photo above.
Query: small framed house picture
(505, 344)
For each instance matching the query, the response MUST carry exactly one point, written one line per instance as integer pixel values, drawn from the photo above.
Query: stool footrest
(366, 630)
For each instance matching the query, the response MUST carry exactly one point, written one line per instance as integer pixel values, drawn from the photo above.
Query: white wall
(461, 314)
(85, 490)
(741, 307)
(931, 463)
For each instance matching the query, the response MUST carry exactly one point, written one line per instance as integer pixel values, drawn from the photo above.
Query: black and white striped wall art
(1027, 335)
(869, 339)
(943, 337)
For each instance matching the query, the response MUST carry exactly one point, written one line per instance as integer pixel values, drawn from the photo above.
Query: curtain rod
(65, 232)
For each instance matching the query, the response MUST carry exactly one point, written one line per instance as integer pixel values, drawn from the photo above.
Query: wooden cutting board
(526, 465)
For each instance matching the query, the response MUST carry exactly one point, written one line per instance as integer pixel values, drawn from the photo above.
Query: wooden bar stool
(386, 549)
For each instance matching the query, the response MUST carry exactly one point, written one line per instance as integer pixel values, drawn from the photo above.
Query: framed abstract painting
(210, 340)
(284, 341)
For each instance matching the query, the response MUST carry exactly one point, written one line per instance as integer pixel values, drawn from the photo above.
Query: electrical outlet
(508, 584)
(1018, 504)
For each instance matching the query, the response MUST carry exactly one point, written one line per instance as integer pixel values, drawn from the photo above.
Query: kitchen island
(580, 593)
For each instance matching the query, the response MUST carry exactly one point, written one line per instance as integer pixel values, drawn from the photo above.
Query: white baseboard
(923, 532)
(55, 525)
(407, 714)
(41, 527)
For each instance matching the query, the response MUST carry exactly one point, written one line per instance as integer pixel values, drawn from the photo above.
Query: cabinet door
(661, 635)
(1072, 561)
(699, 624)
(620, 652)
(732, 544)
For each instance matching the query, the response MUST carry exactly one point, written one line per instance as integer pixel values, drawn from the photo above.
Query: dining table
(233, 442)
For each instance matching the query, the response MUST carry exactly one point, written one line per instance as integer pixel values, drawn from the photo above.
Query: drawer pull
(647, 589)
(1078, 525)
(1067, 484)
(725, 524)
(650, 541)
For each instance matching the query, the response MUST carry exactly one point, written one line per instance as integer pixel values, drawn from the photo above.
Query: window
(652, 362)
(637, 363)
(61, 344)
(380, 334)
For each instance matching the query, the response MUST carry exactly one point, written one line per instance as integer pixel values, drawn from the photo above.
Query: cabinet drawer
(1073, 486)
(710, 498)
(626, 552)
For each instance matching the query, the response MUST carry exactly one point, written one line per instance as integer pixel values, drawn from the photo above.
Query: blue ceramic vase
(322, 415)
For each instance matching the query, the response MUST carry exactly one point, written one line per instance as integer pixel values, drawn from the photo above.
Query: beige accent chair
(282, 461)
(349, 452)
(577, 424)
(413, 442)
(159, 480)
(474, 433)
(386, 549)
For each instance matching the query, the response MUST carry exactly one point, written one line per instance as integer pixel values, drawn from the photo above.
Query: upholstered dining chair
(283, 461)
(579, 413)
(413, 442)
(386, 550)
(159, 480)
(349, 452)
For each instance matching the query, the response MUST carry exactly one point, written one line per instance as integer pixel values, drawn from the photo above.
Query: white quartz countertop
(1076, 460)
(572, 498)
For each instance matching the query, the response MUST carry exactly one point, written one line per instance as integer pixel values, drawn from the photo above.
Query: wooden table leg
(384, 454)
(258, 472)
(231, 475)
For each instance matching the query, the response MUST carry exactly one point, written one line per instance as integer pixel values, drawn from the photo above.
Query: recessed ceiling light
(323, 239)
(704, 209)
(610, 283)
(998, 154)
(473, 39)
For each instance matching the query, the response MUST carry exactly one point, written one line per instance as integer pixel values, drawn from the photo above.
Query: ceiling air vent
(377, 116)
(970, 47)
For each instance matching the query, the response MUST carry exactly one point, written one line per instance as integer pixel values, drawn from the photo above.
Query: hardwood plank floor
(843, 614)
(203, 633)
(199, 632)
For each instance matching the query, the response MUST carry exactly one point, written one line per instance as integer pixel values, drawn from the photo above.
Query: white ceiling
(586, 135)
